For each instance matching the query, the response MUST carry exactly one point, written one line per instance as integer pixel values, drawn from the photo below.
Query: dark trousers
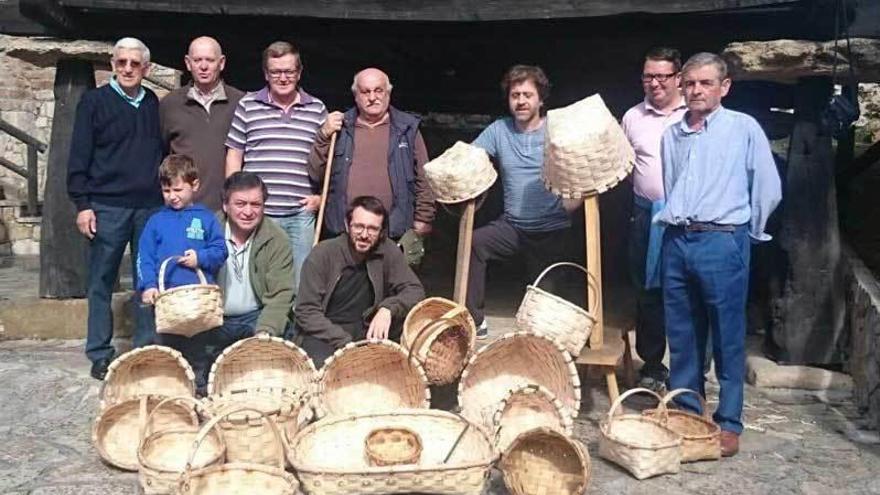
(650, 326)
(705, 285)
(117, 227)
(500, 240)
(320, 350)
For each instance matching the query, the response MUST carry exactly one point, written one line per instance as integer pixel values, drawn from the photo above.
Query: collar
(131, 101)
(386, 120)
(216, 94)
(263, 96)
(247, 243)
(651, 108)
(685, 128)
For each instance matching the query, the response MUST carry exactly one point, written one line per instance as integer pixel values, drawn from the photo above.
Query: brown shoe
(729, 443)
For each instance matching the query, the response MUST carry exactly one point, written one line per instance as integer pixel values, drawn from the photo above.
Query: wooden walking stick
(324, 190)
(463, 255)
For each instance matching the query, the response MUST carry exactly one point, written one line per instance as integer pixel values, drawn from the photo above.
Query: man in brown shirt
(379, 152)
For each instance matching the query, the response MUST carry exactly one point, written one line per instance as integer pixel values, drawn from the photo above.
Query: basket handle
(199, 273)
(206, 429)
(591, 281)
(661, 407)
(427, 330)
(669, 396)
(467, 426)
(145, 429)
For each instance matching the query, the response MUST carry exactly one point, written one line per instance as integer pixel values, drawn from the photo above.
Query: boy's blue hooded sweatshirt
(170, 232)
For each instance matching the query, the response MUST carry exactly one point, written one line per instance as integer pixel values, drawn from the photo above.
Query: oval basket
(393, 446)
(328, 456)
(260, 363)
(189, 309)
(526, 408)
(543, 313)
(642, 445)
(700, 436)
(371, 376)
(512, 361)
(149, 370)
(543, 460)
(440, 334)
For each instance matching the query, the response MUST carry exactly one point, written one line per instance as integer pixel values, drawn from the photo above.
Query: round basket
(461, 173)
(542, 460)
(440, 334)
(642, 445)
(150, 370)
(393, 446)
(585, 150)
(512, 361)
(328, 457)
(162, 454)
(526, 408)
(262, 362)
(371, 376)
(543, 313)
(118, 430)
(700, 436)
(188, 309)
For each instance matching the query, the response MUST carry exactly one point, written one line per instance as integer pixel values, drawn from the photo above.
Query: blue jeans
(705, 286)
(300, 229)
(116, 228)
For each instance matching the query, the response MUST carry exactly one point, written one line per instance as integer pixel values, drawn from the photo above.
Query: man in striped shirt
(271, 135)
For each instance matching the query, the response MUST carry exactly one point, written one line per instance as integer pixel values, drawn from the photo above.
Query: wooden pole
(324, 190)
(463, 255)
(594, 266)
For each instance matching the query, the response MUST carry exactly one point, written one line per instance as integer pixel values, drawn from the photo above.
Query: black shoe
(99, 369)
(652, 383)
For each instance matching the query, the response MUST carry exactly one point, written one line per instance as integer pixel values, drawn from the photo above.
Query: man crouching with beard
(355, 286)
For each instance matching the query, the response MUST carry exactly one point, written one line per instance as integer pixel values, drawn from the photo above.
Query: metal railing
(30, 173)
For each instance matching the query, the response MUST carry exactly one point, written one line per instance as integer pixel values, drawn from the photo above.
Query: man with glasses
(644, 125)
(271, 135)
(355, 286)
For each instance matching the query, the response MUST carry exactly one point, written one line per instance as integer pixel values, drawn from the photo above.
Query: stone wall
(863, 315)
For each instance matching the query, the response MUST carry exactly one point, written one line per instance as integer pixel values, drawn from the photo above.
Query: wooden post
(32, 182)
(463, 254)
(325, 189)
(593, 240)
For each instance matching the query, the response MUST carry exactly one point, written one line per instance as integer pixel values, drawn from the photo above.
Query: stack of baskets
(440, 335)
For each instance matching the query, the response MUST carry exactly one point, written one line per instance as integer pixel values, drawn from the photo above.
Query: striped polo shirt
(276, 145)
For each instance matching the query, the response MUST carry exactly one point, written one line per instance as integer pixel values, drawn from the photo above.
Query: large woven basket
(237, 478)
(461, 173)
(162, 453)
(512, 361)
(149, 370)
(188, 309)
(642, 445)
(440, 334)
(585, 150)
(118, 430)
(546, 314)
(371, 376)
(328, 456)
(526, 408)
(543, 460)
(700, 436)
(262, 362)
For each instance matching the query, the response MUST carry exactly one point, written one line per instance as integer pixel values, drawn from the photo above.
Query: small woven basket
(393, 446)
(461, 173)
(262, 362)
(546, 314)
(190, 309)
(585, 150)
(542, 460)
(700, 436)
(149, 370)
(525, 408)
(371, 376)
(642, 445)
(440, 334)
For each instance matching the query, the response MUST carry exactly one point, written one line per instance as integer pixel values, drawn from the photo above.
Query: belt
(705, 227)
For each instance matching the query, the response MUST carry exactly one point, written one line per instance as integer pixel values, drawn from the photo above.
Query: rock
(44, 52)
(863, 436)
(764, 373)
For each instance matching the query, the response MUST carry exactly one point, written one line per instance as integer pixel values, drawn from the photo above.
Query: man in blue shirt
(721, 185)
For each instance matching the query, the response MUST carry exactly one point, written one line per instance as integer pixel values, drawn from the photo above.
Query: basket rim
(580, 450)
(256, 340)
(146, 462)
(212, 405)
(239, 466)
(537, 290)
(187, 288)
(393, 346)
(604, 425)
(716, 430)
(494, 178)
(124, 360)
(531, 388)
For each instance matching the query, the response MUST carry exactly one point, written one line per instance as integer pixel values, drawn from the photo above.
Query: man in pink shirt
(644, 125)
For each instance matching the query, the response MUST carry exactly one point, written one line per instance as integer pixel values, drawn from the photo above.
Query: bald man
(379, 152)
(195, 118)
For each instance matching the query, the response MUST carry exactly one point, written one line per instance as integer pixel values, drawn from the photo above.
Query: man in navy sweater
(113, 181)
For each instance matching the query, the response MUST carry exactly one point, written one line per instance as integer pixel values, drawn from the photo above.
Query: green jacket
(270, 267)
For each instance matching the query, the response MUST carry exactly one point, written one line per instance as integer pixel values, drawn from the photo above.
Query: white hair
(354, 83)
(132, 44)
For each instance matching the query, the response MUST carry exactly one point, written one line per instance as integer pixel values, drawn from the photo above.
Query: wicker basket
(643, 446)
(440, 334)
(329, 460)
(542, 460)
(262, 362)
(585, 150)
(700, 436)
(392, 446)
(514, 360)
(237, 478)
(526, 408)
(461, 173)
(162, 454)
(370, 376)
(118, 430)
(546, 314)
(149, 370)
(188, 309)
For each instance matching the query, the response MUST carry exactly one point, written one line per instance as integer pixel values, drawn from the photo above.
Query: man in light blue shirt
(721, 185)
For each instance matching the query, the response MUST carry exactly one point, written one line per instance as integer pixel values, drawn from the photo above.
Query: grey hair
(129, 43)
(705, 58)
(354, 82)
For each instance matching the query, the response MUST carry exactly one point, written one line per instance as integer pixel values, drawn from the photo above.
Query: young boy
(191, 232)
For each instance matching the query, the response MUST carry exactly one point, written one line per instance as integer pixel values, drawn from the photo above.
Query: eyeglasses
(359, 228)
(661, 78)
(277, 73)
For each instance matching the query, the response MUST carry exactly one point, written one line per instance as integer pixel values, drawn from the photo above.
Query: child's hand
(149, 296)
(189, 259)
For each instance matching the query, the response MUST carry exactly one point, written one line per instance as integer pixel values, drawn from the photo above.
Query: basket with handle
(236, 478)
(262, 362)
(391, 446)
(642, 445)
(189, 309)
(543, 460)
(440, 334)
(149, 370)
(700, 436)
(528, 407)
(544, 313)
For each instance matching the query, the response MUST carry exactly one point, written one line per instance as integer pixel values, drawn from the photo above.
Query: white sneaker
(483, 330)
